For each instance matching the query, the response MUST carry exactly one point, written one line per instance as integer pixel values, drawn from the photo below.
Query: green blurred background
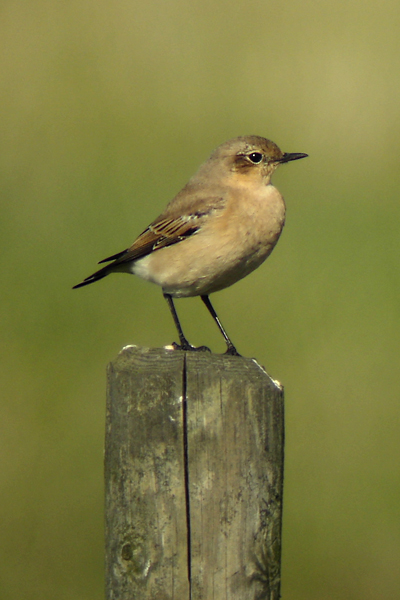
(107, 110)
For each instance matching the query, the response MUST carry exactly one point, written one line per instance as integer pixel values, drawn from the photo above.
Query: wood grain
(194, 477)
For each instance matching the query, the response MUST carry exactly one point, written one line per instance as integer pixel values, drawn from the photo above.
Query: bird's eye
(255, 157)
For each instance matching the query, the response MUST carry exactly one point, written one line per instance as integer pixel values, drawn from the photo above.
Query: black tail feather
(95, 277)
(113, 257)
(101, 272)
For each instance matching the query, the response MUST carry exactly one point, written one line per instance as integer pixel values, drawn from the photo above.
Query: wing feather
(164, 231)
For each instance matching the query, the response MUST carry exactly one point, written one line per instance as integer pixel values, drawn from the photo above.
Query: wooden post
(194, 477)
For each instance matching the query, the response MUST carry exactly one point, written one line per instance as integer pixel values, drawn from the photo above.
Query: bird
(221, 226)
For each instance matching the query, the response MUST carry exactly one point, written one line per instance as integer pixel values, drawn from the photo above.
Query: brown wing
(162, 232)
(171, 228)
(159, 234)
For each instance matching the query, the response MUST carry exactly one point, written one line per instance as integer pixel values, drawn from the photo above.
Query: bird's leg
(231, 348)
(184, 343)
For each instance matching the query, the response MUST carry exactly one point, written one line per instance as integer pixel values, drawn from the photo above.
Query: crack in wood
(186, 471)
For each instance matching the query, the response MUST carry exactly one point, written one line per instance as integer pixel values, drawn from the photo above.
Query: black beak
(288, 156)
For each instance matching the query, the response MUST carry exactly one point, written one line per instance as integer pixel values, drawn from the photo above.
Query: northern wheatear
(220, 227)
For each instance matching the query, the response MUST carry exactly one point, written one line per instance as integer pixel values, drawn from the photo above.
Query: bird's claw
(186, 347)
(231, 351)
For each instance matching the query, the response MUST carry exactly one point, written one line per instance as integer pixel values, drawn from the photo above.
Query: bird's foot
(186, 347)
(231, 351)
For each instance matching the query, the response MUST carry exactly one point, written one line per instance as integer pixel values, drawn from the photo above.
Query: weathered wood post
(194, 477)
